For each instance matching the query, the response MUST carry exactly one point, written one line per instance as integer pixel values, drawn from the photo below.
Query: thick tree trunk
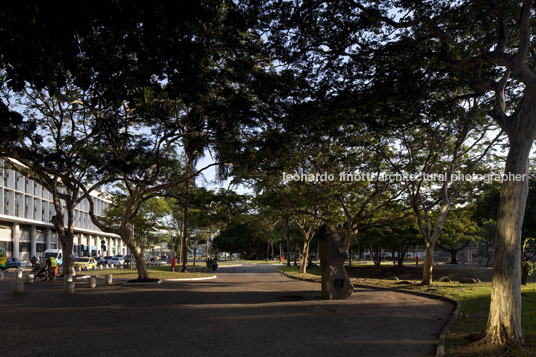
(67, 251)
(66, 240)
(128, 237)
(336, 284)
(504, 322)
(428, 263)
(305, 256)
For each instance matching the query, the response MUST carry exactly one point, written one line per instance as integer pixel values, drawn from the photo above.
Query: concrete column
(33, 241)
(80, 252)
(16, 238)
(48, 238)
(109, 246)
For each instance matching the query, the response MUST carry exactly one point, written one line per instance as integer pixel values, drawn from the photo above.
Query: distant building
(26, 210)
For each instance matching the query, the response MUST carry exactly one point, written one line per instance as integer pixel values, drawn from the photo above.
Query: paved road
(246, 311)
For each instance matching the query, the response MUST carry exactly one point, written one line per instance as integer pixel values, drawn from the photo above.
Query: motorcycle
(39, 273)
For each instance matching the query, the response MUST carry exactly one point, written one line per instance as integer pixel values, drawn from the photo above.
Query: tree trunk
(428, 263)
(287, 236)
(524, 269)
(454, 256)
(524, 275)
(376, 255)
(400, 263)
(128, 237)
(184, 240)
(401, 255)
(504, 322)
(336, 284)
(67, 250)
(65, 239)
(305, 255)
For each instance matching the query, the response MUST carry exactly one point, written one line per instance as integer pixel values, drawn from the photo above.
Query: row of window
(24, 198)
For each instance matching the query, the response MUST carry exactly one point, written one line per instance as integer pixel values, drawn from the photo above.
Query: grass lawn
(474, 299)
(160, 272)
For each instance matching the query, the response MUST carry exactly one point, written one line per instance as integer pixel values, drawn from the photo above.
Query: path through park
(247, 311)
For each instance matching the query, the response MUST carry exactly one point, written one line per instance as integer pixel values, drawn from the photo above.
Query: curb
(311, 280)
(440, 350)
(229, 266)
(191, 279)
(148, 283)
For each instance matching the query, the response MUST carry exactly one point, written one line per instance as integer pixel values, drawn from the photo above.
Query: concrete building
(25, 215)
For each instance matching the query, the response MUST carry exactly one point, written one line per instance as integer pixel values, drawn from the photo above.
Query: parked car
(115, 261)
(13, 263)
(99, 260)
(85, 263)
(120, 257)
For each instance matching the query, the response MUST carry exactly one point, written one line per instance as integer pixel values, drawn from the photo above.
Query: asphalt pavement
(249, 310)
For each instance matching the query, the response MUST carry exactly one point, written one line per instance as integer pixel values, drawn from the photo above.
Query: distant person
(214, 265)
(51, 264)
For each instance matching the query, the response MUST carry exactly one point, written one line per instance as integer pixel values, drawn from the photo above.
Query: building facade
(26, 210)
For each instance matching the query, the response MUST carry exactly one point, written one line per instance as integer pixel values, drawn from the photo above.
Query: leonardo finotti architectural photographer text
(398, 177)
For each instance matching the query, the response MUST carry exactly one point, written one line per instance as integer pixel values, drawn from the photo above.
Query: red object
(56, 270)
(173, 262)
(280, 259)
(417, 259)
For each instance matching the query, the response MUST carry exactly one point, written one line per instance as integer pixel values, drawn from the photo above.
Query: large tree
(53, 154)
(496, 60)
(485, 47)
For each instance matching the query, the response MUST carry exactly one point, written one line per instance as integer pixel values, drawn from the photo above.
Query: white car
(116, 261)
(120, 257)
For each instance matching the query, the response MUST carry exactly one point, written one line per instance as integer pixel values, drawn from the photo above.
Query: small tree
(459, 231)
